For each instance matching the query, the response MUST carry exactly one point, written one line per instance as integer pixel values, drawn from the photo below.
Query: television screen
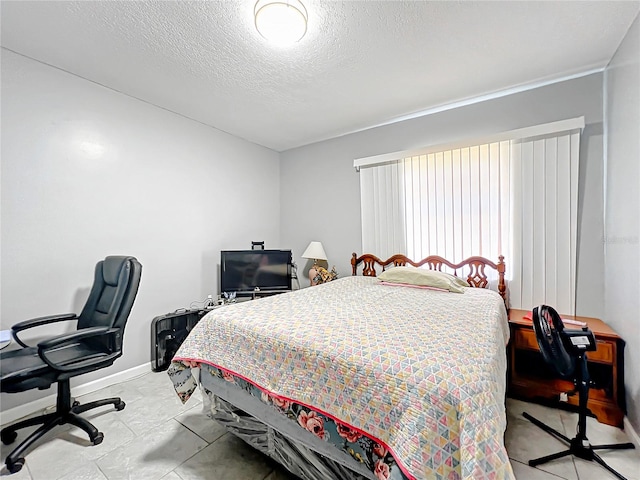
(242, 271)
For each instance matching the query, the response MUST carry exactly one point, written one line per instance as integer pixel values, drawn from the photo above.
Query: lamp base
(313, 273)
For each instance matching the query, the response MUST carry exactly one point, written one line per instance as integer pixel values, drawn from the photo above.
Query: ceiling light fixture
(282, 22)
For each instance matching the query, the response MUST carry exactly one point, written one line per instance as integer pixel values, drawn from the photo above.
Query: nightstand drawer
(603, 353)
(527, 339)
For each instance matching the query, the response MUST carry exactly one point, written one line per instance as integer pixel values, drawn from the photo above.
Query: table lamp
(316, 252)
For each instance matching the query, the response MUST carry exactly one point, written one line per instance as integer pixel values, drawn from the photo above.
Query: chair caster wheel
(97, 440)
(120, 406)
(16, 466)
(8, 436)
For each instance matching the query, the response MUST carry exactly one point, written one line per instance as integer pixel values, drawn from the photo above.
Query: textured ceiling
(362, 63)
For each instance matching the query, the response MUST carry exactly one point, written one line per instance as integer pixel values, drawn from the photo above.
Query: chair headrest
(111, 268)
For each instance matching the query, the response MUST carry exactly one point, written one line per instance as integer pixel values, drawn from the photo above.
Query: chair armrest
(52, 344)
(36, 322)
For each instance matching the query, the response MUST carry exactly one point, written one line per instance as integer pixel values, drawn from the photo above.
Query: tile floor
(165, 440)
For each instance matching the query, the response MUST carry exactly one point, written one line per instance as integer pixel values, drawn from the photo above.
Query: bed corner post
(354, 264)
(502, 286)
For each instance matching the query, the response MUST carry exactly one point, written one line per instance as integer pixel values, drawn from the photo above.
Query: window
(514, 194)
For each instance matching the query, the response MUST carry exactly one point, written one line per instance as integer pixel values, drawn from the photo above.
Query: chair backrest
(114, 290)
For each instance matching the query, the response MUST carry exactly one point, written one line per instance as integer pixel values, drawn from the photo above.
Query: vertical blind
(545, 219)
(515, 197)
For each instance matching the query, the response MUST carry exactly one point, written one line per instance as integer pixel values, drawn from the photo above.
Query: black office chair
(95, 344)
(565, 351)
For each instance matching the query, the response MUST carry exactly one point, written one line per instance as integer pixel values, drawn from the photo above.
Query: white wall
(88, 172)
(622, 208)
(321, 189)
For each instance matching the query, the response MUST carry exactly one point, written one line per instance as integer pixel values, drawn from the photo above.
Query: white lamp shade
(282, 22)
(315, 251)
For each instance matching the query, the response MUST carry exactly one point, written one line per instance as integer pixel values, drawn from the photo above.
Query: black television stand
(266, 293)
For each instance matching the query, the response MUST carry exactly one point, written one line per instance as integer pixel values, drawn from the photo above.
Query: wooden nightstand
(530, 378)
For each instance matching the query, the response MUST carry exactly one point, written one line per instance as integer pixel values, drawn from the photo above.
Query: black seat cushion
(23, 369)
(24, 365)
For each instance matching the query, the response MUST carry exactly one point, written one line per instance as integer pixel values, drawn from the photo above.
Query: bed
(361, 378)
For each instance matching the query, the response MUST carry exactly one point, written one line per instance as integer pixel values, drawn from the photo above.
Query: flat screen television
(244, 271)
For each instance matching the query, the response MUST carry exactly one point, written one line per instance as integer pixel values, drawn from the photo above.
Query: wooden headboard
(475, 268)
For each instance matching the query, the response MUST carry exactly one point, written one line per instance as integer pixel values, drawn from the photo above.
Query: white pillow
(423, 277)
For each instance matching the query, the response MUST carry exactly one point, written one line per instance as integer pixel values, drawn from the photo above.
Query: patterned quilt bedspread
(420, 371)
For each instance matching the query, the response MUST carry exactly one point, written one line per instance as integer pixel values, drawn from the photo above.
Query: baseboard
(631, 433)
(41, 404)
